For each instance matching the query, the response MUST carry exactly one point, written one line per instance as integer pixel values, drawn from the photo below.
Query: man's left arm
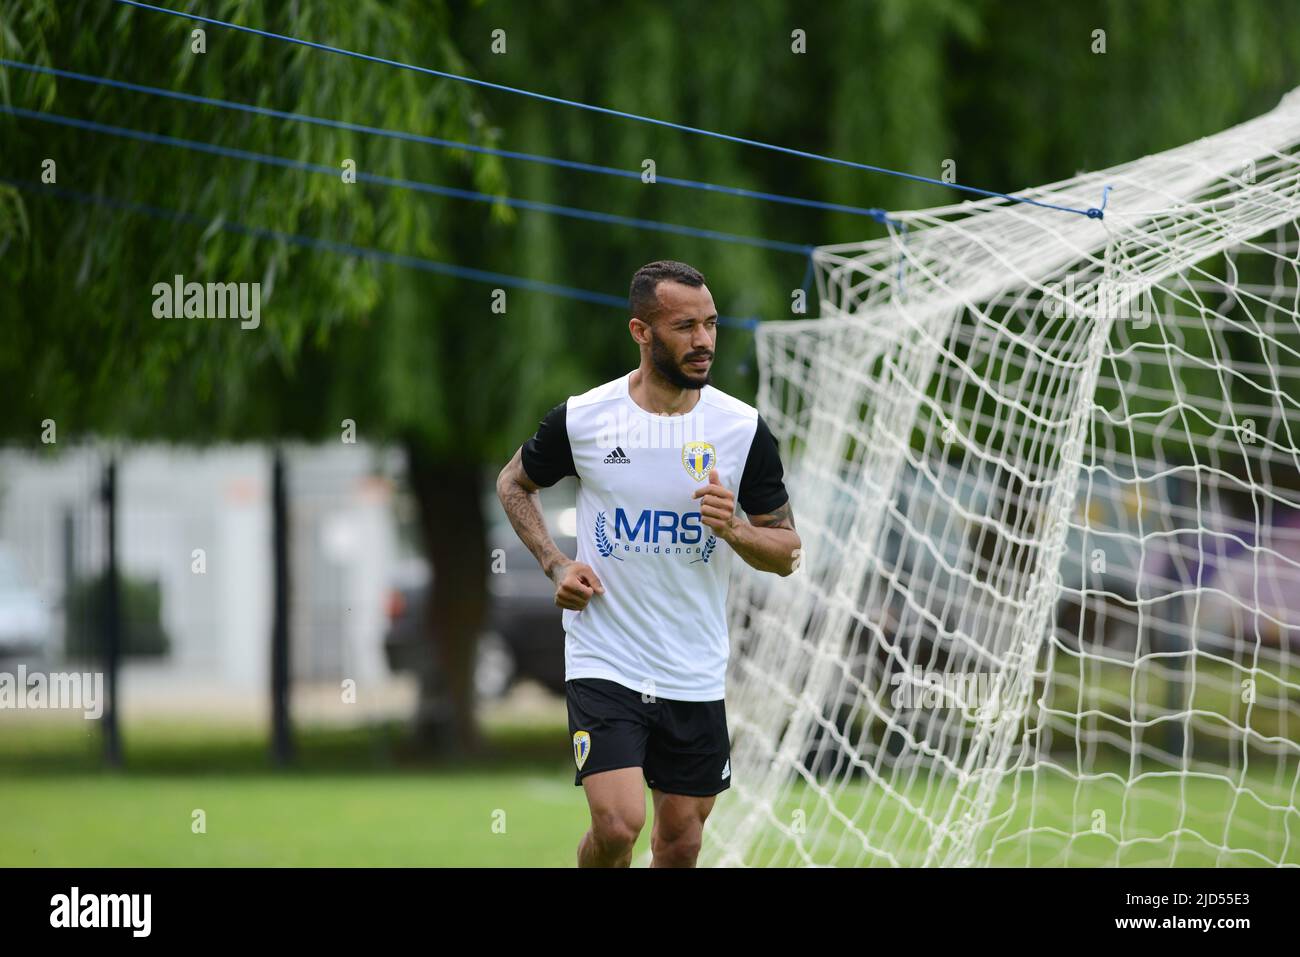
(768, 541)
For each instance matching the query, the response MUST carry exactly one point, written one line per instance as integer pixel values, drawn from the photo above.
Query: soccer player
(662, 459)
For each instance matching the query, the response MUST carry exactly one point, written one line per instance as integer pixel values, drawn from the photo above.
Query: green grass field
(1159, 822)
(357, 799)
(363, 798)
(332, 820)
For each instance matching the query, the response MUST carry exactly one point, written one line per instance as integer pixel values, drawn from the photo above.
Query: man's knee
(615, 831)
(678, 844)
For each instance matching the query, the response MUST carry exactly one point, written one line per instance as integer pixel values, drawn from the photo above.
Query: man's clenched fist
(575, 583)
(717, 504)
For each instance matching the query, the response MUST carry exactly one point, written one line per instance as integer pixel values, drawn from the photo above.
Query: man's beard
(669, 368)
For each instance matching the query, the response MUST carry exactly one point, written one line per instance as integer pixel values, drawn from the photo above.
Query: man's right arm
(522, 505)
(549, 459)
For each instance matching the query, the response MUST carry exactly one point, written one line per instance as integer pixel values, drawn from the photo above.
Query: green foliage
(88, 349)
(1010, 91)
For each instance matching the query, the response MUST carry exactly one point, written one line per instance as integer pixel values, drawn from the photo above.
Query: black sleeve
(761, 488)
(547, 457)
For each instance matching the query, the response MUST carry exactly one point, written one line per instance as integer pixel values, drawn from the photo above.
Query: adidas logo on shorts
(617, 457)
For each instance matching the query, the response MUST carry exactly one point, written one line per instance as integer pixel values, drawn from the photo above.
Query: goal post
(1046, 472)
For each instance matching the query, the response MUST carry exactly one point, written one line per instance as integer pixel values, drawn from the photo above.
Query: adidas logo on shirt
(617, 457)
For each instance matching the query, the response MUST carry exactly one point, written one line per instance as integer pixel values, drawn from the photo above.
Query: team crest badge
(699, 457)
(581, 747)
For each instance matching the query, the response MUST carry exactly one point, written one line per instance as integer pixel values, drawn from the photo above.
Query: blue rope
(1100, 210)
(1091, 213)
(879, 215)
(416, 185)
(347, 249)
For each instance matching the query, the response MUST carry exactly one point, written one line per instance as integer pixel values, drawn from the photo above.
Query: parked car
(524, 633)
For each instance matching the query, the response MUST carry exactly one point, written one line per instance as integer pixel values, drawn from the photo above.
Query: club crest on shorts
(581, 747)
(699, 457)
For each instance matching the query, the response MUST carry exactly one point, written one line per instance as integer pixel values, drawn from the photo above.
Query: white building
(199, 523)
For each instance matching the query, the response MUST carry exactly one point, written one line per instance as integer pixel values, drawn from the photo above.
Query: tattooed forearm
(783, 517)
(518, 496)
(767, 542)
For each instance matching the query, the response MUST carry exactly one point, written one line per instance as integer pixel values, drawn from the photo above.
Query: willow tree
(339, 336)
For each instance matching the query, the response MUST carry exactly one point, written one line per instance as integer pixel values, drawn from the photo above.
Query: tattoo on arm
(783, 517)
(519, 500)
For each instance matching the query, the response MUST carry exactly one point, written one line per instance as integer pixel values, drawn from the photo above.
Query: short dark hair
(643, 298)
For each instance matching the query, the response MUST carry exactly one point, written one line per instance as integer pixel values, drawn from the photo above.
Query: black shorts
(681, 746)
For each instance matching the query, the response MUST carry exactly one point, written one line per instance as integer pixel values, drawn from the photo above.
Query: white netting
(1049, 464)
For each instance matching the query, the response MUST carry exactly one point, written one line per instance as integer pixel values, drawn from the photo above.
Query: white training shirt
(660, 627)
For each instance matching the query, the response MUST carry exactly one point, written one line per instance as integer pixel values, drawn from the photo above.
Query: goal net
(1046, 474)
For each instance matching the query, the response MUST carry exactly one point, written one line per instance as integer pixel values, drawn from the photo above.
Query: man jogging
(663, 459)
